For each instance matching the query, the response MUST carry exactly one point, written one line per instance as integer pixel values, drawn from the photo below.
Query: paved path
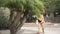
(32, 29)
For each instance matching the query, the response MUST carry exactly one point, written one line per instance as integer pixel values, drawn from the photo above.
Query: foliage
(4, 24)
(51, 5)
(34, 6)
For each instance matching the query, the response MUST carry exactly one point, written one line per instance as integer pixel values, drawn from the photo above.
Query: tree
(22, 7)
(51, 5)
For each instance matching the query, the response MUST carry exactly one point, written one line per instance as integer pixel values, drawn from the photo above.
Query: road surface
(32, 29)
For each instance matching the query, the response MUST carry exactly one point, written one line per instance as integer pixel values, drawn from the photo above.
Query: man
(41, 22)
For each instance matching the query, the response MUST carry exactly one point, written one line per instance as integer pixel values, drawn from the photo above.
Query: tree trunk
(13, 26)
(11, 17)
(22, 21)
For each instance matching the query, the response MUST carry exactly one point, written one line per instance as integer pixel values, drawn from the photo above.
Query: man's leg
(42, 24)
(38, 28)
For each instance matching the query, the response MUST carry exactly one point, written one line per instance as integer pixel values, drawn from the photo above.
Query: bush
(4, 24)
